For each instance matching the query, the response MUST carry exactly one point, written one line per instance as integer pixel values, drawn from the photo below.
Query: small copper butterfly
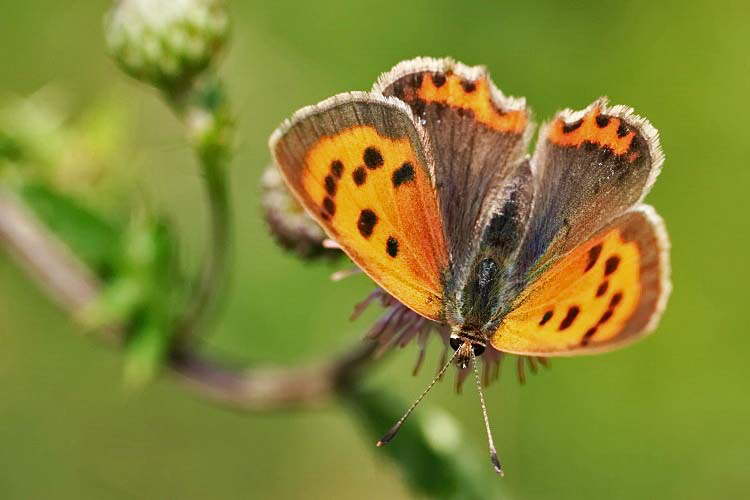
(425, 182)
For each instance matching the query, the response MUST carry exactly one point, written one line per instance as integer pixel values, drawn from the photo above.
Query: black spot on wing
(373, 158)
(391, 246)
(602, 121)
(405, 173)
(329, 206)
(359, 176)
(366, 222)
(330, 185)
(587, 336)
(547, 316)
(438, 79)
(594, 253)
(611, 265)
(569, 318)
(616, 298)
(602, 289)
(468, 86)
(337, 168)
(570, 127)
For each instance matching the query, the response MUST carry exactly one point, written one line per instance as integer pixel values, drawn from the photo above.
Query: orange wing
(608, 291)
(359, 165)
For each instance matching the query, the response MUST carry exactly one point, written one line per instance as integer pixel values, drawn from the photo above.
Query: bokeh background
(666, 418)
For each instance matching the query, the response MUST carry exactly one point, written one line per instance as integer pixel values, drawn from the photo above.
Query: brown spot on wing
(330, 185)
(611, 265)
(570, 317)
(373, 158)
(359, 176)
(391, 246)
(366, 222)
(594, 253)
(405, 173)
(337, 168)
(329, 206)
(547, 316)
(587, 336)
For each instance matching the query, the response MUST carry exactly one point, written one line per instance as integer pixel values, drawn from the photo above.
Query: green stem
(212, 279)
(203, 109)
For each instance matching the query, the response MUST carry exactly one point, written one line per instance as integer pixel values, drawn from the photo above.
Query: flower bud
(288, 222)
(166, 42)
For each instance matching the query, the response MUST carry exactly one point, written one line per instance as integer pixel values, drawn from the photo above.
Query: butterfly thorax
(478, 298)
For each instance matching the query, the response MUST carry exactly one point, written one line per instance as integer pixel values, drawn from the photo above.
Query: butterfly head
(466, 347)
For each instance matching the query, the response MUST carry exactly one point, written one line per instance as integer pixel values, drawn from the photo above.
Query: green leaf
(89, 236)
(144, 355)
(149, 260)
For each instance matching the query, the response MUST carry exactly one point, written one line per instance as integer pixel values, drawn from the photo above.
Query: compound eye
(455, 343)
(478, 349)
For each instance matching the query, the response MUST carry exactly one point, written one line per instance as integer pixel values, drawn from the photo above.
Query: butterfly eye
(478, 349)
(455, 343)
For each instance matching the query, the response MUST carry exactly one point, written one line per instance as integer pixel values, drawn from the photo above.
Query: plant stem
(68, 280)
(204, 111)
(213, 275)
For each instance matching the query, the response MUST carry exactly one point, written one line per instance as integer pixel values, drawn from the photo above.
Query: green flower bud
(166, 43)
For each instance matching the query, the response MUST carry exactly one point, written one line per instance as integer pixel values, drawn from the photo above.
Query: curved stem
(213, 273)
(203, 109)
(272, 388)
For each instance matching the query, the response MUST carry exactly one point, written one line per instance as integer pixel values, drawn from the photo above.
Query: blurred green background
(666, 418)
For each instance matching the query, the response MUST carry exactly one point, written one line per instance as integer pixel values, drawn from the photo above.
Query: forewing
(478, 139)
(607, 292)
(360, 166)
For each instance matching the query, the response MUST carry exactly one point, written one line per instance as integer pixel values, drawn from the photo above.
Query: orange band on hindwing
(596, 128)
(585, 299)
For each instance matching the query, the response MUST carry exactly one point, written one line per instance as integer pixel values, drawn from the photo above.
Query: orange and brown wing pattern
(478, 138)
(608, 291)
(453, 85)
(596, 127)
(589, 167)
(359, 166)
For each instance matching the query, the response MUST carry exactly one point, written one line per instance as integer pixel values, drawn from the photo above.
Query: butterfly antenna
(388, 437)
(490, 441)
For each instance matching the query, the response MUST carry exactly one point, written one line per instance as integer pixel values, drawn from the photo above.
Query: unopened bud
(290, 225)
(166, 42)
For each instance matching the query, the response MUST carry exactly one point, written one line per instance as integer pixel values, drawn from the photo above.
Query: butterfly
(425, 182)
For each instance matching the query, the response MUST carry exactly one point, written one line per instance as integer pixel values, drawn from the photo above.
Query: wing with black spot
(589, 167)
(478, 137)
(607, 292)
(362, 168)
